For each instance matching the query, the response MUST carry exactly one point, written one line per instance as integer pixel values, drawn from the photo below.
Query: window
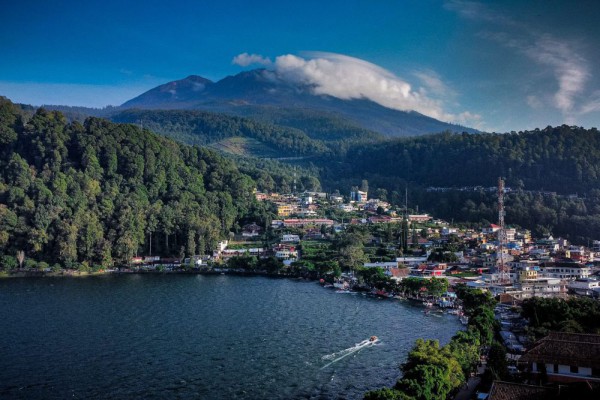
(574, 369)
(555, 368)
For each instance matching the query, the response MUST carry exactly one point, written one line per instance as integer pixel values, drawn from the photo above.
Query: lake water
(206, 337)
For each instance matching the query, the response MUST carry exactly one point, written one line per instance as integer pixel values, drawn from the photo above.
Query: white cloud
(592, 104)
(534, 102)
(347, 77)
(570, 69)
(246, 59)
(433, 84)
(558, 56)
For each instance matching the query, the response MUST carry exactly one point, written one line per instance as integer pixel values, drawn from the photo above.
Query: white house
(584, 286)
(568, 271)
(289, 238)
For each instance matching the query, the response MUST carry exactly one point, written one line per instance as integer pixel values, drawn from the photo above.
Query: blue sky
(499, 66)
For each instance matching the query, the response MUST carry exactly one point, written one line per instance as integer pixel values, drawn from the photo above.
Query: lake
(205, 337)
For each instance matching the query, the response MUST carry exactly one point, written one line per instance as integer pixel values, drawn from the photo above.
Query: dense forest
(202, 128)
(563, 159)
(99, 192)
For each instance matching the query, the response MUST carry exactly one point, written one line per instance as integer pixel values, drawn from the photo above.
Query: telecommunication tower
(504, 273)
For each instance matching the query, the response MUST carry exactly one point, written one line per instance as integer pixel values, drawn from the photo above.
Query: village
(520, 268)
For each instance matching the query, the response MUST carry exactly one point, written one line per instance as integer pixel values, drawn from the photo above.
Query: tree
(8, 262)
(497, 367)
(430, 372)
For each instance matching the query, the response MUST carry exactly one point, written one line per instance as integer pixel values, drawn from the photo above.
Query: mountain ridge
(247, 93)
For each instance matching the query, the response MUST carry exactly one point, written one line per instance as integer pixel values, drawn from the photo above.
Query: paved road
(468, 392)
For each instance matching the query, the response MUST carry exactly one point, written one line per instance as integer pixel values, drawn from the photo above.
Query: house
(510, 234)
(287, 253)
(290, 238)
(565, 270)
(565, 357)
(488, 230)
(542, 287)
(429, 270)
(518, 391)
(399, 273)
(446, 230)
(346, 207)
(306, 213)
(303, 222)
(196, 261)
(313, 234)
(285, 210)
(408, 261)
(379, 219)
(585, 287)
(578, 254)
(419, 217)
(229, 253)
(251, 230)
(358, 196)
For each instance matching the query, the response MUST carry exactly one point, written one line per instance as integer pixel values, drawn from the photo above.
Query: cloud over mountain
(347, 78)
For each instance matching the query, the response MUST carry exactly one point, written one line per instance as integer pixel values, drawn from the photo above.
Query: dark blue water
(206, 337)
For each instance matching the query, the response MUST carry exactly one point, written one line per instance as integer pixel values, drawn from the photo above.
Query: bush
(8, 262)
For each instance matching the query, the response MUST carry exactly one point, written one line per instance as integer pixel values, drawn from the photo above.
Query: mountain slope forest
(98, 192)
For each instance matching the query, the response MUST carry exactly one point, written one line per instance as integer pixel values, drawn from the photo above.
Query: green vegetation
(202, 128)
(575, 315)
(94, 194)
(242, 146)
(432, 372)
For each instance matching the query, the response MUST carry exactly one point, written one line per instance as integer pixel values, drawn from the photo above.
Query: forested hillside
(563, 159)
(100, 192)
(202, 128)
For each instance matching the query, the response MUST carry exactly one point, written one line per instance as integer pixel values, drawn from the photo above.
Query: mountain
(258, 93)
(178, 93)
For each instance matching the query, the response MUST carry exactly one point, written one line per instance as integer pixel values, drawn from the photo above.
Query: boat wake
(340, 355)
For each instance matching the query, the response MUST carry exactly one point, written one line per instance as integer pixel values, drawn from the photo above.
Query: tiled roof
(578, 349)
(516, 391)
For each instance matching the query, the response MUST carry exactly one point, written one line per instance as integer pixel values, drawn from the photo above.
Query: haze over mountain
(263, 94)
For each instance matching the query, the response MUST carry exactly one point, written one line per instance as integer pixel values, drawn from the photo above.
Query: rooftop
(564, 348)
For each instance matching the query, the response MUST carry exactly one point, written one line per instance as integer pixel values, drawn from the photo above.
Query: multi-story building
(565, 270)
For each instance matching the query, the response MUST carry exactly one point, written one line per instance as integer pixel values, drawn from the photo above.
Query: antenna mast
(504, 274)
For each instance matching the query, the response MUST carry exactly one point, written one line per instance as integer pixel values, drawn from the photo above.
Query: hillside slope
(247, 94)
(100, 192)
